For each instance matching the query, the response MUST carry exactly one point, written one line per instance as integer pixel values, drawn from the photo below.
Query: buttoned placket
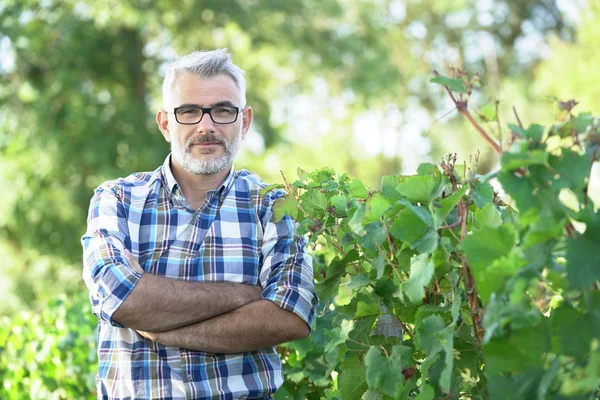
(186, 371)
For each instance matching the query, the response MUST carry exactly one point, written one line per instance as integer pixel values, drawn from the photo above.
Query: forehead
(191, 89)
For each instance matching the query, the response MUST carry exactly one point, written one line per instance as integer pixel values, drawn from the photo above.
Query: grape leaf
(314, 202)
(358, 189)
(352, 381)
(286, 205)
(482, 194)
(455, 85)
(583, 260)
(420, 189)
(267, 189)
(385, 374)
(421, 272)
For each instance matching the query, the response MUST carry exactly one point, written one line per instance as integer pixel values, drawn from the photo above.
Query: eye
(223, 110)
(190, 111)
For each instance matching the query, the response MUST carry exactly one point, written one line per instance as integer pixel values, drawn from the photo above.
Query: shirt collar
(173, 189)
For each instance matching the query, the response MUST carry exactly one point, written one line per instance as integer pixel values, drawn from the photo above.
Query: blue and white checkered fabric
(230, 238)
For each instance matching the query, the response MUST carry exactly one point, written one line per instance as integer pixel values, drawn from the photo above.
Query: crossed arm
(219, 317)
(234, 320)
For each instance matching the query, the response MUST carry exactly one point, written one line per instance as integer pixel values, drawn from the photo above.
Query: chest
(220, 242)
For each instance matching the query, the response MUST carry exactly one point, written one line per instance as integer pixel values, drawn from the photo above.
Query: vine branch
(461, 106)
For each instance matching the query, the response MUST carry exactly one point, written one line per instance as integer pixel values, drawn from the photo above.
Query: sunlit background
(338, 83)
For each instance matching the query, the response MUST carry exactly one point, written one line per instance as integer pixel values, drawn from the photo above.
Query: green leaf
(583, 121)
(380, 263)
(385, 374)
(329, 394)
(447, 205)
(513, 161)
(484, 246)
(376, 206)
(426, 334)
(426, 169)
(338, 335)
(547, 379)
(563, 320)
(372, 395)
(455, 85)
(572, 167)
(518, 130)
(522, 190)
(358, 281)
(340, 204)
(363, 309)
(314, 202)
(388, 188)
(330, 186)
(386, 289)
(420, 189)
(352, 380)
(482, 194)
(358, 189)
(421, 272)
(583, 260)
(302, 174)
(408, 227)
(492, 277)
(523, 349)
(587, 379)
(356, 222)
(374, 236)
(427, 393)
(488, 217)
(329, 287)
(534, 132)
(545, 228)
(286, 205)
(263, 192)
(488, 112)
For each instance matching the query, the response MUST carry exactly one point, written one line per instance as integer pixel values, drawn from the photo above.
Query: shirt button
(190, 378)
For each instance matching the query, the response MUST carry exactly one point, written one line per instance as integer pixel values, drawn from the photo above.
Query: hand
(133, 262)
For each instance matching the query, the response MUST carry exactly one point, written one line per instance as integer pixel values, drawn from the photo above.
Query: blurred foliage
(80, 83)
(338, 83)
(49, 355)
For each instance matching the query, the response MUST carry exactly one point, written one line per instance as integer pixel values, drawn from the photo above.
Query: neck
(195, 187)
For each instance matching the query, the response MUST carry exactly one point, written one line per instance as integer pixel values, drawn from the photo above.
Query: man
(191, 280)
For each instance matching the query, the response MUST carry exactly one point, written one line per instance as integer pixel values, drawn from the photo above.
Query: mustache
(208, 138)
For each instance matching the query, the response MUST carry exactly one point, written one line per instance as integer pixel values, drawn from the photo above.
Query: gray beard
(210, 166)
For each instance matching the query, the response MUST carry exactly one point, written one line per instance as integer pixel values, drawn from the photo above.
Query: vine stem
(404, 327)
(389, 238)
(467, 273)
(391, 264)
(461, 106)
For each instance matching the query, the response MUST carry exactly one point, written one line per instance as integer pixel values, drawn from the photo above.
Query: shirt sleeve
(107, 274)
(286, 274)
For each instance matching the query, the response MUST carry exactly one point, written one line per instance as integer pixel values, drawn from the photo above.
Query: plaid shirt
(230, 238)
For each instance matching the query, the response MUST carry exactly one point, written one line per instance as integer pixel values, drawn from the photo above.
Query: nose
(206, 124)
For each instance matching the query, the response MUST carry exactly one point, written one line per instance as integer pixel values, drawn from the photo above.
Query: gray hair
(205, 64)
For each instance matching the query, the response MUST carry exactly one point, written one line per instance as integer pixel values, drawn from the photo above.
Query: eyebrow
(224, 103)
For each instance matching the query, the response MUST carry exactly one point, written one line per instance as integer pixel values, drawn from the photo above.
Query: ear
(162, 120)
(246, 120)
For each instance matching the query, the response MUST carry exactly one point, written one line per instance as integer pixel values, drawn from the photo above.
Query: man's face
(206, 148)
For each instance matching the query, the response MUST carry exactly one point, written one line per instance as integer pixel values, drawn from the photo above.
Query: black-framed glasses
(192, 115)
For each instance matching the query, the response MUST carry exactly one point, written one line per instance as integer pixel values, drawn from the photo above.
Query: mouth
(204, 145)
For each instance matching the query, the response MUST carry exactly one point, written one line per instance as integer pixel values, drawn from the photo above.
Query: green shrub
(49, 355)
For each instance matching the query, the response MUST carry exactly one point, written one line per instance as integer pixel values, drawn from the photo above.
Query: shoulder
(134, 185)
(253, 185)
